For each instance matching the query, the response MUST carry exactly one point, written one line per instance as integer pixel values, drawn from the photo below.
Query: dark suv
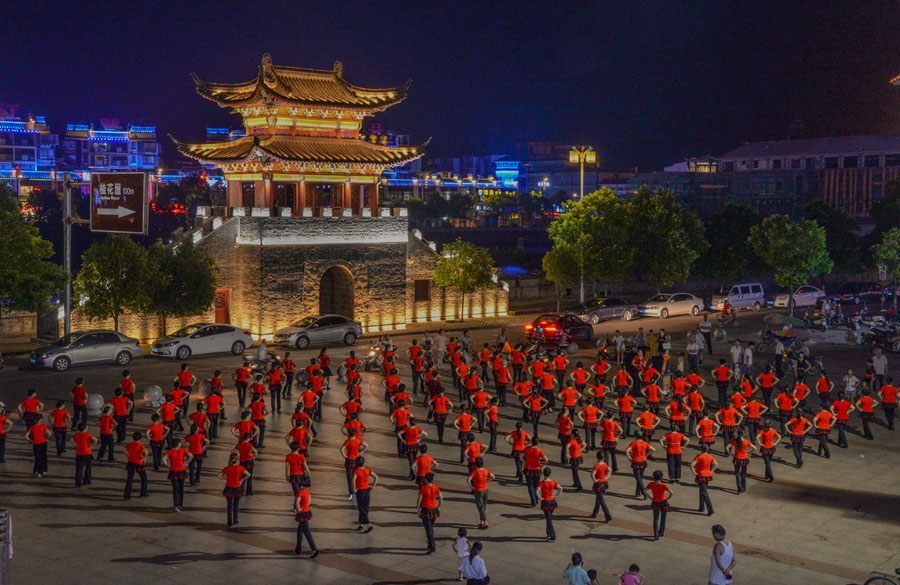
(552, 328)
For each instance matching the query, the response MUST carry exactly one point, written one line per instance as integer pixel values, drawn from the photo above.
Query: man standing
(722, 562)
(440, 346)
(693, 351)
(748, 360)
(478, 483)
(706, 332)
(879, 360)
(737, 357)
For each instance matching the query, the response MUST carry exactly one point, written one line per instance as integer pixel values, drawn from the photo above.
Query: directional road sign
(119, 203)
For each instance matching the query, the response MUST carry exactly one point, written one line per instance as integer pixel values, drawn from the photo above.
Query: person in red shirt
(196, 443)
(659, 494)
(478, 483)
(428, 507)
(241, 377)
(638, 452)
(741, 449)
(502, 379)
(5, 425)
(157, 434)
(866, 405)
(137, 456)
(601, 486)
(245, 426)
(303, 516)
(767, 439)
(536, 403)
(648, 421)
(199, 418)
(600, 368)
(707, 429)
(798, 426)
(723, 376)
(299, 434)
(564, 432)
(677, 412)
(696, 403)
(441, 407)
(290, 366)
(234, 475)
(786, 404)
(187, 380)
(275, 380)
(121, 407)
(623, 381)
(517, 356)
(841, 408)
(463, 424)
(79, 403)
(570, 397)
(888, 394)
(549, 490)
(729, 419)
(518, 439)
(461, 369)
(611, 431)
(703, 466)
(351, 406)
(559, 367)
(590, 415)
(626, 403)
(215, 407)
(364, 480)
(767, 381)
(258, 412)
(38, 433)
(474, 450)
(128, 388)
(179, 397)
(493, 423)
(824, 387)
(674, 443)
(653, 393)
(247, 453)
(753, 412)
(83, 455)
(107, 426)
(167, 413)
(479, 401)
(59, 419)
(535, 460)
(423, 464)
(411, 435)
(823, 422)
(295, 466)
(177, 459)
(30, 408)
(576, 449)
(417, 365)
(352, 448)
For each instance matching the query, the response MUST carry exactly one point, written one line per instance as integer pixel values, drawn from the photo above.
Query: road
(830, 522)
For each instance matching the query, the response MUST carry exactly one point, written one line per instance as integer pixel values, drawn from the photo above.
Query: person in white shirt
(692, 349)
(706, 332)
(440, 346)
(722, 563)
(879, 360)
(473, 568)
(737, 357)
(619, 342)
(698, 339)
(851, 382)
(748, 359)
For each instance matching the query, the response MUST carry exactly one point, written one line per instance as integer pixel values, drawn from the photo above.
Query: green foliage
(666, 237)
(464, 266)
(595, 231)
(843, 244)
(887, 252)
(113, 279)
(728, 255)
(182, 281)
(795, 251)
(27, 279)
(561, 266)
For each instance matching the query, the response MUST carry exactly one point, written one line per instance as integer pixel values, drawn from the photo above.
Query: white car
(804, 296)
(667, 305)
(318, 330)
(200, 338)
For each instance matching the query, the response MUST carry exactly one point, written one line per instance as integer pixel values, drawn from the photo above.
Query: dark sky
(645, 83)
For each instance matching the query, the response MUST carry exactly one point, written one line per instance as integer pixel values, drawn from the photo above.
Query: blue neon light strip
(77, 127)
(143, 129)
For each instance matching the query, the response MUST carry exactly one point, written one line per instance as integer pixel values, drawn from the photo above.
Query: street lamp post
(581, 155)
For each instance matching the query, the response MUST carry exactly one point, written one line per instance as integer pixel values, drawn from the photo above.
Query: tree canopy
(728, 255)
(842, 243)
(465, 267)
(112, 279)
(182, 281)
(887, 253)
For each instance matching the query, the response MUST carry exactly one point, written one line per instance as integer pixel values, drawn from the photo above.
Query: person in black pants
(659, 493)
(549, 489)
(38, 434)
(137, 453)
(364, 481)
(303, 515)
(83, 440)
(601, 485)
(5, 426)
(428, 507)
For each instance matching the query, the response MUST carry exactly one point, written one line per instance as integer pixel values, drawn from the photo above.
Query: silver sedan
(666, 305)
(86, 347)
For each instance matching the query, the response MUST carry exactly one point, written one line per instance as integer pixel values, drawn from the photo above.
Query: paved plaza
(830, 522)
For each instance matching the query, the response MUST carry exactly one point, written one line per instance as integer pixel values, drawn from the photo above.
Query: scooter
(373, 359)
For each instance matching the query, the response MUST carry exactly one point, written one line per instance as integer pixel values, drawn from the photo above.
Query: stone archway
(336, 292)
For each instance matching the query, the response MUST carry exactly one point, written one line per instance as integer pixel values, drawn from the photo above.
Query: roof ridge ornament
(267, 70)
(338, 68)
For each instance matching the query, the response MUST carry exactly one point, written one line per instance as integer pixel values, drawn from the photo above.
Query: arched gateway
(336, 292)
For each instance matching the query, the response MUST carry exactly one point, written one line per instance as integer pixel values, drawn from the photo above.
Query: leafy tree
(464, 266)
(667, 238)
(27, 279)
(595, 230)
(887, 252)
(561, 267)
(843, 244)
(113, 279)
(728, 255)
(795, 251)
(182, 282)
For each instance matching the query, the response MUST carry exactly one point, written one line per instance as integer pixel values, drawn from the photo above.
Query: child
(632, 577)
(461, 546)
(592, 573)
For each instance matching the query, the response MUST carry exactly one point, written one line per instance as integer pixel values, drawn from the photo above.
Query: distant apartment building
(110, 148)
(27, 145)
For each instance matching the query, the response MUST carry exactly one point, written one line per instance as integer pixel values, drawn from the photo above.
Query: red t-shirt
(79, 395)
(519, 440)
(167, 410)
(245, 451)
(429, 495)
(411, 435)
(889, 394)
(120, 405)
(184, 378)
(658, 490)
(767, 380)
(842, 409)
(176, 458)
(423, 464)
(177, 396)
(703, 464)
(361, 477)
(639, 450)
(106, 424)
(303, 500)
(600, 470)
(38, 434)
(135, 450)
(609, 429)
(195, 443)
(352, 447)
(548, 487)
(440, 404)
(295, 463)
(479, 479)
(674, 441)
(156, 432)
(740, 448)
(59, 417)
(213, 404)
(533, 457)
(31, 404)
(82, 443)
(465, 422)
(233, 474)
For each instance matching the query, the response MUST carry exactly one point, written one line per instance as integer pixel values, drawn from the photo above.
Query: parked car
(320, 329)
(86, 347)
(749, 295)
(552, 328)
(774, 292)
(670, 304)
(596, 310)
(856, 292)
(200, 338)
(804, 296)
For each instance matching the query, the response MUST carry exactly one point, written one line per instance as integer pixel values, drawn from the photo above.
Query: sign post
(119, 203)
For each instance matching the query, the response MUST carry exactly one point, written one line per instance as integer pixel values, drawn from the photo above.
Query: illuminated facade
(108, 148)
(26, 145)
(303, 231)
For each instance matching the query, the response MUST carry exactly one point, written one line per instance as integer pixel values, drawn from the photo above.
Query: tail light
(246, 333)
(529, 326)
(137, 344)
(551, 329)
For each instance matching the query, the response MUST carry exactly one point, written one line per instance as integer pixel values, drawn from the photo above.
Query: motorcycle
(373, 359)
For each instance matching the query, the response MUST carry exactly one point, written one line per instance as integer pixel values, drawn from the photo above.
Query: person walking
(478, 482)
(473, 568)
(638, 452)
(137, 457)
(38, 433)
(364, 480)
(722, 562)
(177, 459)
(303, 515)
(703, 467)
(79, 402)
(601, 486)
(768, 439)
(659, 494)
(234, 475)
(575, 448)
(197, 444)
(549, 490)
(83, 455)
(352, 448)
(59, 418)
(247, 453)
(30, 408)
(741, 449)
(535, 460)
(674, 443)
(428, 508)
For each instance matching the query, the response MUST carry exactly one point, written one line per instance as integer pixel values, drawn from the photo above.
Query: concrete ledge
(239, 211)
(260, 212)
(284, 211)
(216, 223)
(196, 236)
(326, 212)
(347, 212)
(366, 212)
(203, 211)
(307, 212)
(384, 212)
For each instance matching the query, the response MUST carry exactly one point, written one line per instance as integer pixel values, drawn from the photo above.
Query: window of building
(871, 160)
(796, 163)
(248, 194)
(810, 164)
(754, 164)
(851, 162)
(423, 290)
(284, 195)
(831, 162)
(892, 160)
(777, 163)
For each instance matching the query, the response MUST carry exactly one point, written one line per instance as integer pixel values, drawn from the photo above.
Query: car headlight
(169, 343)
(45, 355)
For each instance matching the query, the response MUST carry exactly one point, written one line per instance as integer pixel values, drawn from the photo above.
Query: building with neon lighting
(304, 231)
(26, 145)
(108, 148)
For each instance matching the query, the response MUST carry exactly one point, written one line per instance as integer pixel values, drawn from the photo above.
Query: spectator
(592, 575)
(737, 357)
(692, 350)
(473, 568)
(879, 360)
(575, 572)
(706, 332)
(748, 360)
(632, 577)
(722, 562)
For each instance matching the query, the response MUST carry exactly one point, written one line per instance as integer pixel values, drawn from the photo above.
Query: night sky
(645, 85)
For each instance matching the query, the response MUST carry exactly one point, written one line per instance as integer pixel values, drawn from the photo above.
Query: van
(749, 295)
